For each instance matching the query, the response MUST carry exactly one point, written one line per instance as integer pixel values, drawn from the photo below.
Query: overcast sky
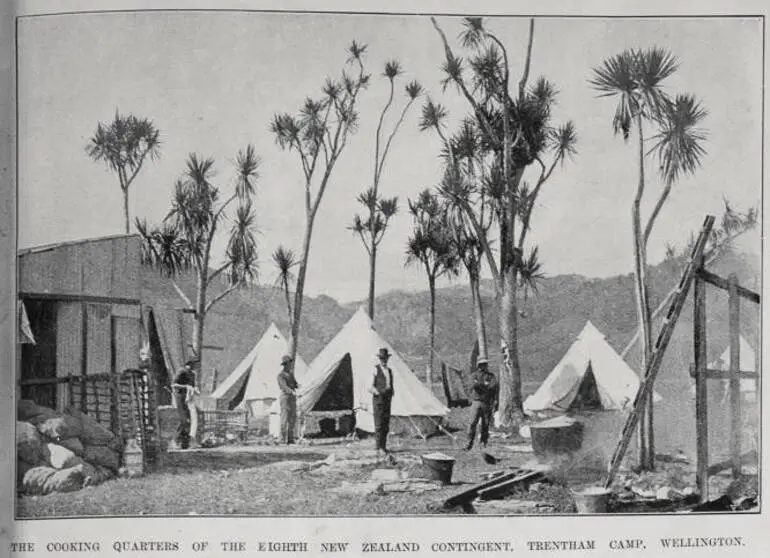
(211, 82)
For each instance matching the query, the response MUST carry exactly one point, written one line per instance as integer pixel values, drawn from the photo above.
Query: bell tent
(253, 385)
(339, 378)
(590, 376)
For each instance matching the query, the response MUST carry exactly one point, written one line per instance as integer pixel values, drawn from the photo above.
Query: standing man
(184, 386)
(288, 386)
(484, 394)
(382, 397)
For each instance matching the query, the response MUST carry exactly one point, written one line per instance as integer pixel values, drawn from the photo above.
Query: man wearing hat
(184, 387)
(382, 397)
(484, 394)
(288, 386)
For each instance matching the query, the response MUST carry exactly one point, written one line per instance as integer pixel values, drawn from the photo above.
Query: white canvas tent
(253, 384)
(340, 376)
(590, 374)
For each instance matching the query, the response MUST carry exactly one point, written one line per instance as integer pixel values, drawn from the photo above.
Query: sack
(94, 474)
(91, 432)
(72, 444)
(35, 479)
(61, 457)
(27, 410)
(29, 445)
(58, 428)
(101, 455)
(66, 480)
(22, 467)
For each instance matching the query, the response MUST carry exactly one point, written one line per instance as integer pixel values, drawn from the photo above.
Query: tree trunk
(125, 210)
(432, 288)
(646, 459)
(478, 314)
(200, 319)
(288, 306)
(372, 271)
(511, 413)
(298, 294)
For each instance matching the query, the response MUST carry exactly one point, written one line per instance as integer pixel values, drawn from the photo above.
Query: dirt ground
(262, 478)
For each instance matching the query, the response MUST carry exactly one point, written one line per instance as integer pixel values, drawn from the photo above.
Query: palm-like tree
(318, 135)
(184, 240)
(516, 130)
(284, 261)
(635, 77)
(430, 246)
(372, 225)
(124, 145)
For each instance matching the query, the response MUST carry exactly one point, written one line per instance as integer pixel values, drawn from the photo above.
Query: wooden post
(84, 358)
(734, 305)
(701, 392)
(650, 465)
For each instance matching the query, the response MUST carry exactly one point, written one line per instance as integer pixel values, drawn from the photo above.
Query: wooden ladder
(656, 358)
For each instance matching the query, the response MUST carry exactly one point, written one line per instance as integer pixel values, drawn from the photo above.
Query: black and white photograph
(337, 264)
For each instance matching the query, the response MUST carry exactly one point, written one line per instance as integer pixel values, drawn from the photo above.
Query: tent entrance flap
(239, 395)
(338, 393)
(587, 397)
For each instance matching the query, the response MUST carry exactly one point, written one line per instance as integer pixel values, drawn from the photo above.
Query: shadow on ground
(179, 462)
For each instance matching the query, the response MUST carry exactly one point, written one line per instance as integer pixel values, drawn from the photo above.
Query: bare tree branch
(180, 292)
(220, 296)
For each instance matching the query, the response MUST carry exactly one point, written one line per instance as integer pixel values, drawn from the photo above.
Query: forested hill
(548, 323)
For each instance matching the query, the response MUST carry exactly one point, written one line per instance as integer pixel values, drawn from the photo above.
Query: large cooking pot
(560, 435)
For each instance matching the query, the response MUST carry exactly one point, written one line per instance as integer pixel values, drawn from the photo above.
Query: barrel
(556, 436)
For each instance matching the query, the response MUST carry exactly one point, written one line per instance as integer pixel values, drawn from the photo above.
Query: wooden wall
(108, 267)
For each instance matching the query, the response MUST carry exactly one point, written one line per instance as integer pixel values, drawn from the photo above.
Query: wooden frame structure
(702, 373)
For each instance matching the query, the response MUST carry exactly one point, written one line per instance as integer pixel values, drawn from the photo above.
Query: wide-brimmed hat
(286, 359)
(383, 353)
(482, 361)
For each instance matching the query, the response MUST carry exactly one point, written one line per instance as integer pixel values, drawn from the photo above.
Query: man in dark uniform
(484, 394)
(184, 385)
(382, 397)
(288, 386)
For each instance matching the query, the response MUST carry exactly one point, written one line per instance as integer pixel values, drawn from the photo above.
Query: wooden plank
(470, 493)
(701, 392)
(716, 374)
(83, 357)
(724, 284)
(748, 458)
(503, 488)
(664, 336)
(67, 297)
(735, 383)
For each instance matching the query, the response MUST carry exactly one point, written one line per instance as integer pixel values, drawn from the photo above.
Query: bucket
(439, 467)
(591, 500)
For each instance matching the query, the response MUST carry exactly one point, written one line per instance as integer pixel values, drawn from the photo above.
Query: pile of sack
(62, 451)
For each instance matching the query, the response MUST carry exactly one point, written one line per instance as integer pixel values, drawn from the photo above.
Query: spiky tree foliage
(465, 151)
(635, 78)
(318, 134)
(430, 246)
(371, 226)
(198, 214)
(123, 145)
(285, 261)
(516, 131)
